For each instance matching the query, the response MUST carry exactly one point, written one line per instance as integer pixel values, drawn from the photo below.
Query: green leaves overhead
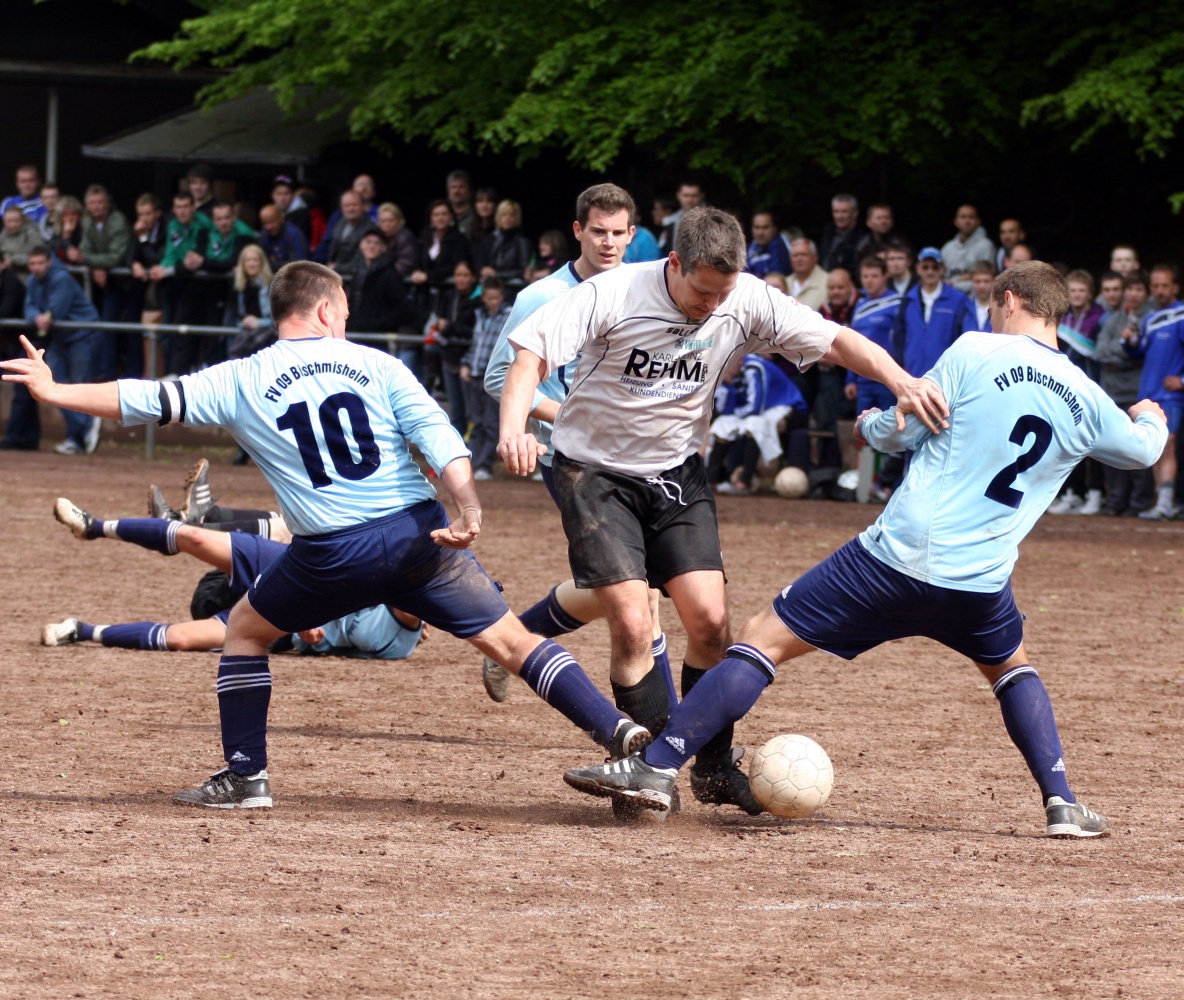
(755, 91)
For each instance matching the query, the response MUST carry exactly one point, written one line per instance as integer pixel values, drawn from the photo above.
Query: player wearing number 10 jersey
(938, 561)
(329, 425)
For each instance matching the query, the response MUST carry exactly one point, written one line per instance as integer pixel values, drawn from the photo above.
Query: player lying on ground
(374, 633)
(653, 340)
(938, 561)
(329, 424)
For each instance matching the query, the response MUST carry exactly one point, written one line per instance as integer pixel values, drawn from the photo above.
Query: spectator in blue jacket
(1160, 344)
(932, 317)
(52, 296)
(768, 252)
(281, 241)
(875, 317)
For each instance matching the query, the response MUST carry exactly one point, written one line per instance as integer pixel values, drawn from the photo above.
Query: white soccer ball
(791, 776)
(791, 483)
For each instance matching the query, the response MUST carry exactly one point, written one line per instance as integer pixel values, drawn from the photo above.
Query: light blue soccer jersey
(555, 385)
(327, 422)
(1021, 417)
(372, 634)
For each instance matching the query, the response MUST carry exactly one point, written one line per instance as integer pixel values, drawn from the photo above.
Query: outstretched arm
(101, 400)
(913, 395)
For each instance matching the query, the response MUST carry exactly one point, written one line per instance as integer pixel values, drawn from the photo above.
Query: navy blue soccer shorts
(392, 561)
(250, 555)
(851, 602)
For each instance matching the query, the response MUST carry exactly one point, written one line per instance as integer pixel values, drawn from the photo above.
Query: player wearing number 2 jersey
(329, 425)
(938, 561)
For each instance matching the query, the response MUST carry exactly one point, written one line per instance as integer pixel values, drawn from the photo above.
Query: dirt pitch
(423, 845)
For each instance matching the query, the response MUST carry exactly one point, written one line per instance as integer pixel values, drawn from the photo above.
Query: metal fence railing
(152, 332)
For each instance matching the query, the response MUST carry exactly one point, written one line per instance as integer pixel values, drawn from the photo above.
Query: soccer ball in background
(791, 776)
(791, 483)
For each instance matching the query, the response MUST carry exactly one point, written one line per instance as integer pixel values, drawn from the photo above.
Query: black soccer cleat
(1073, 819)
(226, 790)
(158, 506)
(631, 781)
(721, 782)
(198, 500)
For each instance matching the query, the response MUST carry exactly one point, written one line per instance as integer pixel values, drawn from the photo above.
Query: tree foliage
(755, 91)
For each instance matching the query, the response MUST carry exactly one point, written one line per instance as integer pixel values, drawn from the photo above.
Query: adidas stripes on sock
(718, 697)
(1027, 714)
(133, 635)
(553, 674)
(244, 695)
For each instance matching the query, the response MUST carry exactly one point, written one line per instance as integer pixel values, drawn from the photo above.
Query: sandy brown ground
(423, 845)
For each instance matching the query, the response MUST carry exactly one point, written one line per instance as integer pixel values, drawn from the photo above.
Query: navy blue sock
(152, 533)
(719, 747)
(85, 632)
(1027, 713)
(662, 661)
(548, 619)
(721, 696)
(553, 674)
(134, 635)
(244, 694)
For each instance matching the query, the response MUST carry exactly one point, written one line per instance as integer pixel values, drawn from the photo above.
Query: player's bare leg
(211, 547)
(1028, 716)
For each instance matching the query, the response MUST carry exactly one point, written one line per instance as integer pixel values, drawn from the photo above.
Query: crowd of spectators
(441, 295)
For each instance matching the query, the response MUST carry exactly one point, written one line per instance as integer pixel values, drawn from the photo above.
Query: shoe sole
(255, 802)
(646, 799)
(1071, 831)
(496, 679)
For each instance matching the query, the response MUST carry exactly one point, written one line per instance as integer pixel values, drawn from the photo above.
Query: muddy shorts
(621, 527)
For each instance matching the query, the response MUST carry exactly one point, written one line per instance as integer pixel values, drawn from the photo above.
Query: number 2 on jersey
(297, 420)
(1000, 488)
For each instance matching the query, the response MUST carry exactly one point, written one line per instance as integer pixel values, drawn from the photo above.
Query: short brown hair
(608, 198)
(299, 286)
(1039, 287)
(1081, 277)
(710, 237)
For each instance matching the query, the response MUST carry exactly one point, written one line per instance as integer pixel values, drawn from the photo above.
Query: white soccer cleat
(61, 633)
(75, 518)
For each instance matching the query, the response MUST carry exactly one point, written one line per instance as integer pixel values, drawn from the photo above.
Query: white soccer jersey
(1021, 417)
(640, 401)
(327, 422)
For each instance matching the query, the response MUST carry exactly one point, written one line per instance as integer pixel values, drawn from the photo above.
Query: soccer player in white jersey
(652, 341)
(603, 229)
(938, 561)
(328, 423)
